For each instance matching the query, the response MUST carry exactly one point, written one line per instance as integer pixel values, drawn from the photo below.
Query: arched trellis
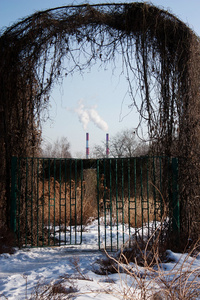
(159, 53)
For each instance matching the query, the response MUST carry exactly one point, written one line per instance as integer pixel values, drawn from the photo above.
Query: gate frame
(175, 205)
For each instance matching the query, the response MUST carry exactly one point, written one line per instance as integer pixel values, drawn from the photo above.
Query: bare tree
(142, 149)
(99, 151)
(59, 149)
(123, 144)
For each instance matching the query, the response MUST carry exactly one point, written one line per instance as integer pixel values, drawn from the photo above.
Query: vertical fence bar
(135, 192)
(32, 185)
(19, 200)
(60, 201)
(43, 202)
(26, 202)
(104, 200)
(142, 197)
(175, 205)
(99, 237)
(82, 201)
(75, 204)
(70, 192)
(129, 199)
(53, 222)
(65, 178)
(170, 191)
(116, 184)
(49, 200)
(122, 164)
(13, 207)
(154, 191)
(110, 169)
(37, 208)
(161, 171)
(148, 196)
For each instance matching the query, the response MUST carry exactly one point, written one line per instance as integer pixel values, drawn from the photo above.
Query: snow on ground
(74, 272)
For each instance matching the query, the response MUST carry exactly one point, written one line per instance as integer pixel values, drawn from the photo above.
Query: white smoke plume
(83, 115)
(86, 115)
(97, 120)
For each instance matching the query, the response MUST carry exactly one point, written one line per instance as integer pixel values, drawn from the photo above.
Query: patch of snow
(76, 267)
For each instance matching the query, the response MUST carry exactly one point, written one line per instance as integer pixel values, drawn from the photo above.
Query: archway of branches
(159, 53)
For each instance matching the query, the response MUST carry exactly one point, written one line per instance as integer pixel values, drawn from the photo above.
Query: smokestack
(87, 145)
(107, 145)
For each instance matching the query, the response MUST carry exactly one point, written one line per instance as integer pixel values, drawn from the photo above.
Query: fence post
(13, 204)
(98, 208)
(175, 198)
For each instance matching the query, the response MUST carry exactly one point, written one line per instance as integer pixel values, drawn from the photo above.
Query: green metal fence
(52, 200)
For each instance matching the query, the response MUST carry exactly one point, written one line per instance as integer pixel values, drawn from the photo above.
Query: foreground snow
(74, 272)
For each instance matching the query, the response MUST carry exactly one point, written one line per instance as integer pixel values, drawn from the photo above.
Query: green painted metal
(81, 238)
(104, 202)
(98, 206)
(48, 199)
(129, 199)
(110, 203)
(160, 185)
(175, 205)
(75, 203)
(117, 218)
(52, 204)
(43, 204)
(13, 209)
(147, 202)
(142, 200)
(70, 180)
(18, 201)
(154, 193)
(65, 198)
(135, 192)
(122, 200)
(26, 202)
(31, 200)
(37, 202)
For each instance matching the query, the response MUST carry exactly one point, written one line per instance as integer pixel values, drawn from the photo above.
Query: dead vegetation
(151, 277)
(145, 276)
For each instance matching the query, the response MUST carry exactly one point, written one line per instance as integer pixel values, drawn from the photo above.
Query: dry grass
(148, 277)
(152, 281)
(63, 288)
(63, 197)
(55, 205)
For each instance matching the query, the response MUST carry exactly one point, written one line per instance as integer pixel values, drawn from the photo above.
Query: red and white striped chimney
(107, 145)
(87, 145)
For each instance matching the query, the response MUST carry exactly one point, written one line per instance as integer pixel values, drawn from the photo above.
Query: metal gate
(53, 200)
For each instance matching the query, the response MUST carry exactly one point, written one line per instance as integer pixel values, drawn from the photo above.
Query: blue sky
(99, 94)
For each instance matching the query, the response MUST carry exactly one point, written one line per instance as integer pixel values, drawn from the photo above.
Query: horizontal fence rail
(53, 200)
